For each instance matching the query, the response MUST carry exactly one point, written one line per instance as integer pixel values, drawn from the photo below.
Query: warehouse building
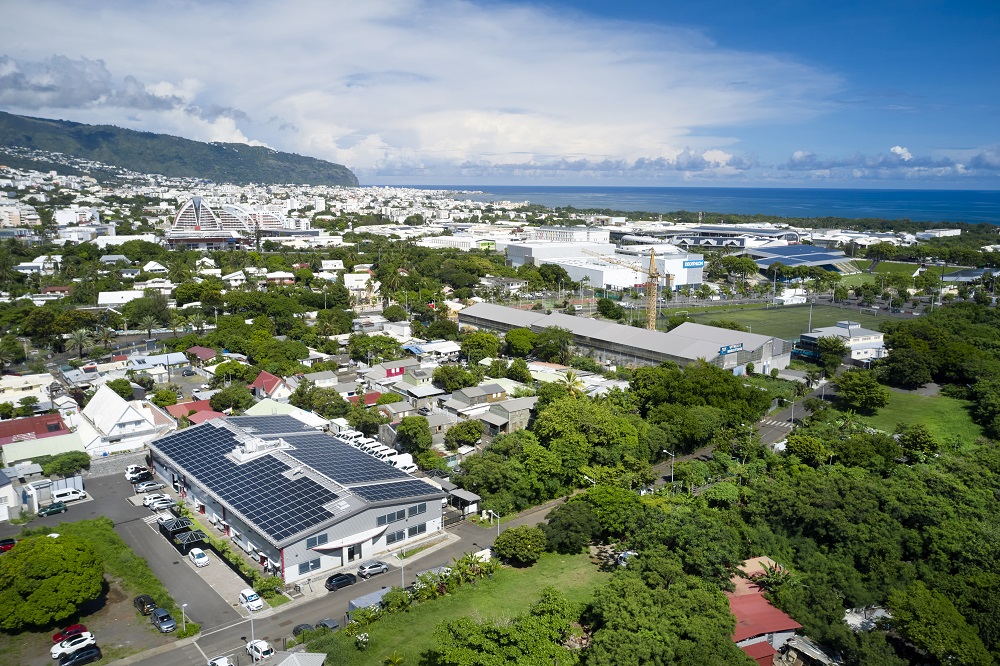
(626, 345)
(296, 500)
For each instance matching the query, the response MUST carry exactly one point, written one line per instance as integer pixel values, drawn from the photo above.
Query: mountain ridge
(171, 156)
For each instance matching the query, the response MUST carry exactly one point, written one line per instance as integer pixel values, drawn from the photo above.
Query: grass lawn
(508, 593)
(785, 321)
(944, 417)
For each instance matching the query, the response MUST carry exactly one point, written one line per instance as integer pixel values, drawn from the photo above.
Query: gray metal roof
(511, 316)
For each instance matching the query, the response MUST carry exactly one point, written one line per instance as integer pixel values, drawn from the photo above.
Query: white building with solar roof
(297, 500)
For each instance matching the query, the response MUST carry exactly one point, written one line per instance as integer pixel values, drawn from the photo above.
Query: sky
(857, 94)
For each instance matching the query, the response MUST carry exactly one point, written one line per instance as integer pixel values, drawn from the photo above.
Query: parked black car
(337, 581)
(144, 604)
(144, 476)
(87, 655)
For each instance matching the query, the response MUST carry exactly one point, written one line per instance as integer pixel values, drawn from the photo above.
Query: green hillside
(173, 156)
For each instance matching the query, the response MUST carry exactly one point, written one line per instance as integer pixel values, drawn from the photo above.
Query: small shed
(467, 501)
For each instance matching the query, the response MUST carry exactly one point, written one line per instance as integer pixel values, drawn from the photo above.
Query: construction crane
(652, 282)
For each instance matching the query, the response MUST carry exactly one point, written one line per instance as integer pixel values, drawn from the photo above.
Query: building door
(354, 552)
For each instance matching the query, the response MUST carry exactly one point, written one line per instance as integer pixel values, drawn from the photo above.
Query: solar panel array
(281, 507)
(276, 424)
(389, 491)
(341, 462)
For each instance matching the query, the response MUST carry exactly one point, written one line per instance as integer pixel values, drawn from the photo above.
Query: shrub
(522, 545)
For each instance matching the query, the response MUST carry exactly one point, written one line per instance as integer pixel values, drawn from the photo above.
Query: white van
(350, 436)
(386, 454)
(68, 495)
(369, 445)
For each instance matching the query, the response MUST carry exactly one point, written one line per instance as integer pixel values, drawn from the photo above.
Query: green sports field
(783, 321)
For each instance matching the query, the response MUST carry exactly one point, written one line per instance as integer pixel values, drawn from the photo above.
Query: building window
(391, 517)
(393, 537)
(306, 567)
(417, 529)
(317, 540)
(418, 509)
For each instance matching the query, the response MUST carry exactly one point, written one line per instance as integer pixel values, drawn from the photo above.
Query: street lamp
(671, 469)
(183, 618)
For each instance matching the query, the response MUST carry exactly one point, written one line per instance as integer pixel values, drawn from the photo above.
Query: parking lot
(217, 575)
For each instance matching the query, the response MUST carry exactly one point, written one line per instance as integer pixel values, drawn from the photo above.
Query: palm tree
(148, 323)
(176, 321)
(80, 339)
(106, 336)
(198, 321)
(572, 383)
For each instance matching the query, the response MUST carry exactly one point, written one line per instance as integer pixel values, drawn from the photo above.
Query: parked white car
(160, 505)
(198, 557)
(71, 645)
(259, 649)
(251, 600)
(155, 497)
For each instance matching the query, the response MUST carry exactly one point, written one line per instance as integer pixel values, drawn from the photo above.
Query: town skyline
(556, 93)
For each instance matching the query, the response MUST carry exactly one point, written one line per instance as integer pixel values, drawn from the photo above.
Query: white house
(154, 267)
(109, 424)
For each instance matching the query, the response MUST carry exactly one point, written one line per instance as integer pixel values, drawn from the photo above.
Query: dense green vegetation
(146, 152)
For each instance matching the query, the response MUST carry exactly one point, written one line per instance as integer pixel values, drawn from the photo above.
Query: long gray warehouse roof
(688, 341)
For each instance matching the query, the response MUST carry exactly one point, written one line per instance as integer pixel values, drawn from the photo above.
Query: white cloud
(387, 86)
(902, 153)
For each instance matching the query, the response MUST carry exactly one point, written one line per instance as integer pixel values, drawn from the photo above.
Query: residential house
(865, 345)
(761, 629)
(508, 416)
(112, 259)
(158, 285)
(270, 386)
(331, 264)
(10, 500)
(201, 355)
(155, 268)
(323, 379)
(109, 424)
(117, 299)
(503, 285)
(26, 438)
(235, 280)
(381, 377)
(268, 407)
(369, 399)
(369, 324)
(59, 291)
(474, 400)
(437, 350)
(396, 411)
(14, 388)
(418, 395)
(280, 278)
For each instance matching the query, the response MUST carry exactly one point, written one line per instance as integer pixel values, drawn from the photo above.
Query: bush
(64, 464)
(521, 545)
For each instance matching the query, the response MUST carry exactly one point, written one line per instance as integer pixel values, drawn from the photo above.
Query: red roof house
(757, 621)
(203, 354)
(370, 398)
(185, 408)
(270, 386)
(761, 652)
(32, 427)
(201, 417)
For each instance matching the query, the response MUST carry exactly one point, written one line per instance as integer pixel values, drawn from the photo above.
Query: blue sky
(880, 94)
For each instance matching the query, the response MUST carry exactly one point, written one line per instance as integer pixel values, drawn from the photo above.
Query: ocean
(979, 206)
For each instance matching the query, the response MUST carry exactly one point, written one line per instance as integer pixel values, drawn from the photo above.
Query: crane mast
(652, 282)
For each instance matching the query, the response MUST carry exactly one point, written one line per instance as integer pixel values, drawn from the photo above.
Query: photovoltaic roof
(341, 462)
(257, 489)
(271, 490)
(390, 491)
